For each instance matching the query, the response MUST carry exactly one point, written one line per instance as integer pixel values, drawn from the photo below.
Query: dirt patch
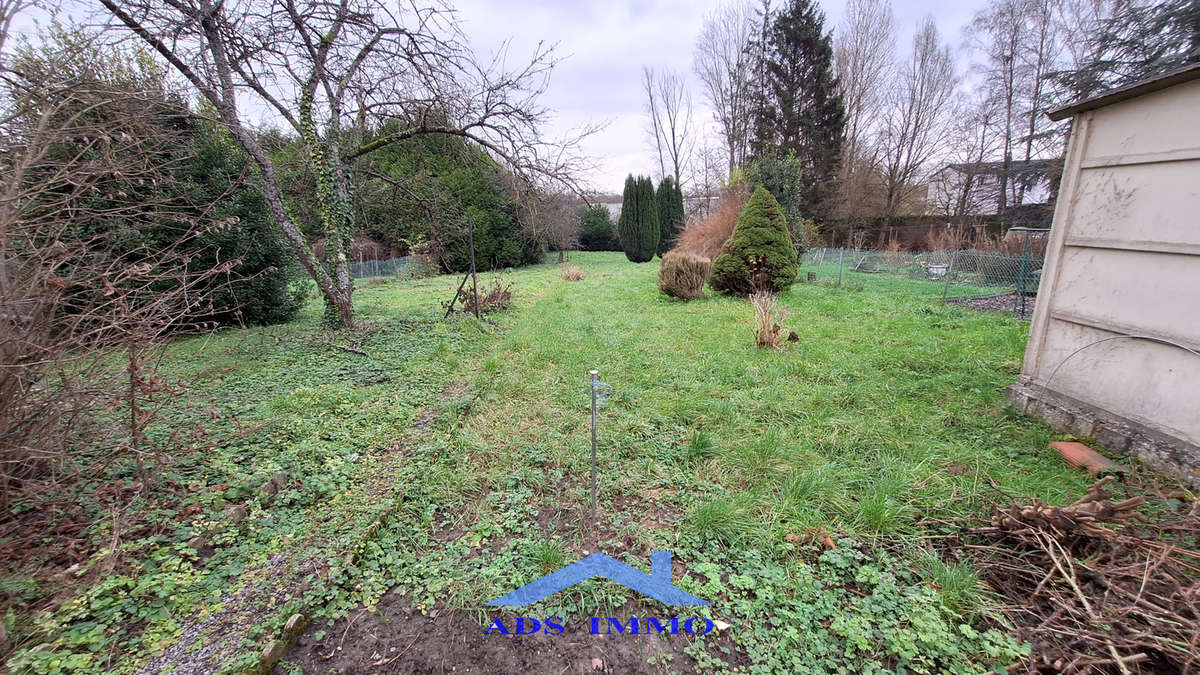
(400, 639)
(425, 419)
(455, 388)
(207, 646)
(1001, 302)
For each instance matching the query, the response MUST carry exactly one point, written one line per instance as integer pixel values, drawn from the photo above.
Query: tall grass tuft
(767, 317)
(722, 520)
(683, 275)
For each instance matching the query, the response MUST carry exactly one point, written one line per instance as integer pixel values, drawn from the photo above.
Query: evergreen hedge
(596, 232)
(638, 227)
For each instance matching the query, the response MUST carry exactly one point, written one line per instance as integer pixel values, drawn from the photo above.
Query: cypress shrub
(683, 275)
(638, 226)
(596, 230)
(670, 213)
(760, 255)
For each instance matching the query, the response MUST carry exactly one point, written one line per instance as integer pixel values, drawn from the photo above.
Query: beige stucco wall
(1124, 259)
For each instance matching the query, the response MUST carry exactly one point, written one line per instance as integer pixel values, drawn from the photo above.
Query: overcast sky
(605, 43)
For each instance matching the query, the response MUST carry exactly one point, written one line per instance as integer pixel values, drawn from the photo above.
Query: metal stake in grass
(595, 386)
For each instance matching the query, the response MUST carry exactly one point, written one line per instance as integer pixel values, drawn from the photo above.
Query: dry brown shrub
(767, 318)
(706, 237)
(493, 299)
(1013, 243)
(572, 273)
(947, 239)
(683, 275)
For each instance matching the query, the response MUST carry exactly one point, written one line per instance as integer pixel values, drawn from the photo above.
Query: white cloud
(604, 46)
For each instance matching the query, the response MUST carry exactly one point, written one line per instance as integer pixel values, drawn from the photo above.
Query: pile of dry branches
(495, 298)
(1096, 586)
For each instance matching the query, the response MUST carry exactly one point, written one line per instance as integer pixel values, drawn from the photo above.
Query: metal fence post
(949, 271)
(1019, 300)
(474, 283)
(595, 376)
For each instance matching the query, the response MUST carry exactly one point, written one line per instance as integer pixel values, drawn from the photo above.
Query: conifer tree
(759, 256)
(799, 109)
(670, 213)
(638, 226)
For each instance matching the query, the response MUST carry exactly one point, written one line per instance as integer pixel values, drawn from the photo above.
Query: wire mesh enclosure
(405, 266)
(983, 280)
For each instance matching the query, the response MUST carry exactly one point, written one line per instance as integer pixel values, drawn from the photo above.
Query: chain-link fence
(983, 280)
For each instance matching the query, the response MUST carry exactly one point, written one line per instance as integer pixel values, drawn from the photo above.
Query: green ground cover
(452, 457)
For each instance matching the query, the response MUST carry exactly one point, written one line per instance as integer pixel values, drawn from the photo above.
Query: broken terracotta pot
(1081, 456)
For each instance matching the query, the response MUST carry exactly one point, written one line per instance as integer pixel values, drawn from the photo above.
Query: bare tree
(709, 173)
(961, 188)
(669, 106)
(1076, 22)
(1038, 59)
(654, 129)
(864, 53)
(1021, 47)
(96, 258)
(333, 70)
(723, 64)
(998, 32)
(864, 49)
(915, 124)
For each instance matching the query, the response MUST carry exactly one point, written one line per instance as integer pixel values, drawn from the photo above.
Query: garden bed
(997, 302)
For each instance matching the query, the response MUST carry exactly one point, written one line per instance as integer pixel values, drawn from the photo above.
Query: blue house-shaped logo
(656, 585)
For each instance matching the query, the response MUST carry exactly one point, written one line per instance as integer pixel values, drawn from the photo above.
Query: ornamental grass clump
(683, 275)
(707, 237)
(768, 319)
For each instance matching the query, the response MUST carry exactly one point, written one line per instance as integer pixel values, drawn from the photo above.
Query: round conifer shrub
(759, 256)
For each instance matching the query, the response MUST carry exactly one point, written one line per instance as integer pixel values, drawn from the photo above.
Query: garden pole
(1020, 299)
(595, 384)
(841, 256)
(474, 284)
(949, 271)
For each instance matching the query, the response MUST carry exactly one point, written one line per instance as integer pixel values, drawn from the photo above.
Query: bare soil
(400, 639)
(1002, 302)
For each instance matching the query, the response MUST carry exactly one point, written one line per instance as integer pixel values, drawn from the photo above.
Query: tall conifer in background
(638, 227)
(670, 213)
(800, 109)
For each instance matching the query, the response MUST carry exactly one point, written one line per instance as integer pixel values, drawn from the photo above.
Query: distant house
(614, 210)
(1114, 346)
(973, 189)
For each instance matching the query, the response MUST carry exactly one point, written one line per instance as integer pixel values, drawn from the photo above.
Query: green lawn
(452, 458)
